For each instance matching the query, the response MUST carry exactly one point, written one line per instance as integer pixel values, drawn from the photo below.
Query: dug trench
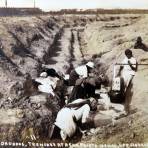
(46, 42)
(63, 42)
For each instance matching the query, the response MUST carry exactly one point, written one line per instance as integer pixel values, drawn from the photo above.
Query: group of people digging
(83, 97)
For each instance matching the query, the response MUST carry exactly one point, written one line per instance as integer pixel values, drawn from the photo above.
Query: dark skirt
(73, 77)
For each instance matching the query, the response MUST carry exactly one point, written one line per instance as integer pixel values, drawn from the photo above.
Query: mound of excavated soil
(29, 44)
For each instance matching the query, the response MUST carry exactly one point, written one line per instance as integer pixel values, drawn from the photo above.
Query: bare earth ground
(63, 42)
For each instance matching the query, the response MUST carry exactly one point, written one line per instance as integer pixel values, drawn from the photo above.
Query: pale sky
(79, 4)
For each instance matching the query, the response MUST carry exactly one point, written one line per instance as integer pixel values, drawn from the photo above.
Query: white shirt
(66, 115)
(82, 71)
(47, 84)
(65, 121)
(82, 112)
(126, 68)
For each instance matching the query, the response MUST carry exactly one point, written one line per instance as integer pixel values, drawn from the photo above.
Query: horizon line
(59, 9)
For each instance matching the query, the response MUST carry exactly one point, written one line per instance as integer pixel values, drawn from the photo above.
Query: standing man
(128, 69)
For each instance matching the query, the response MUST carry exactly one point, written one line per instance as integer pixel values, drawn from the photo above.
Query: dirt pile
(24, 44)
(29, 44)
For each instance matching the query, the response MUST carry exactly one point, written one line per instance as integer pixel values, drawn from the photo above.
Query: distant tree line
(100, 11)
(19, 11)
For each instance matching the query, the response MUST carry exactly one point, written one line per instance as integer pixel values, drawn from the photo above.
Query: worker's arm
(133, 67)
(78, 104)
(121, 66)
(119, 73)
(39, 80)
(85, 73)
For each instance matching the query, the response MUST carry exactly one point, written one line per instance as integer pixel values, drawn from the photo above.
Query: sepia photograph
(73, 73)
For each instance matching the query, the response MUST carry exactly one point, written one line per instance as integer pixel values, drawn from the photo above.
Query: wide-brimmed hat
(43, 74)
(66, 77)
(90, 64)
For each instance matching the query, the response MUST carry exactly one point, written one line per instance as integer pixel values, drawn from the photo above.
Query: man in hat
(78, 77)
(80, 72)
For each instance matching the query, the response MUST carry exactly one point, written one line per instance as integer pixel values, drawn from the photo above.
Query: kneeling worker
(77, 77)
(68, 116)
